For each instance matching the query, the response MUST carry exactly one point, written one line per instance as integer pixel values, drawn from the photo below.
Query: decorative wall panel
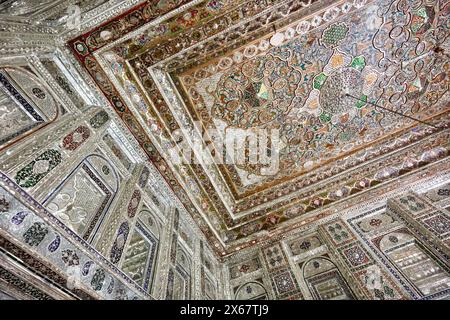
(41, 244)
(140, 257)
(415, 263)
(83, 198)
(348, 200)
(325, 281)
(25, 102)
(117, 151)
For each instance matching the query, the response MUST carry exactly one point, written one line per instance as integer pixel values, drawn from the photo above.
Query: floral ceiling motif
(315, 80)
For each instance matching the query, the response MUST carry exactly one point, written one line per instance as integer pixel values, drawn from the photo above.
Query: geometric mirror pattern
(224, 149)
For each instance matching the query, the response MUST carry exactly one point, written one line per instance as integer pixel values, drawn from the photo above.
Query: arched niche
(325, 281)
(119, 242)
(82, 199)
(415, 263)
(251, 291)
(149, 220)
(141, 253)
(179, 284)
(183, 260)
(26, 105)
(179, 281)
(209, 289)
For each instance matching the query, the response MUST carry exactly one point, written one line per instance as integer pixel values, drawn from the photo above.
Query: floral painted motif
(144, 177)
(54, 245)
(37, 169)
(439, 224)
(422, 19)
(4, 205)
(98, 279)
(70, 258)
(35, 234)
(188, 19)
(274, 256)
(356, 256)
(86, 267)
(338, 232)
(412, 203)
(19, 217)
(110, 286)
(106, 170)
(38, 93)
(117, 151)
(375, 222)
(155, 200)
(134, 203)
(119, 243)
(342, 75)
(215, 4)
(76, 138)
(248, 97)
(284, 282)
(99, 119)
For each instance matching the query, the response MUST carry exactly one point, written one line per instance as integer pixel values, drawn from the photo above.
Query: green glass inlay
(359, 103)
(359, 63)
(319, 81)
(422, 12)
(37, 169)
(325, 117)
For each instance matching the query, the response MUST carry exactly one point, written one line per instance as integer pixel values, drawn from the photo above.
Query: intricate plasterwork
(44, 227)
(333, 37)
